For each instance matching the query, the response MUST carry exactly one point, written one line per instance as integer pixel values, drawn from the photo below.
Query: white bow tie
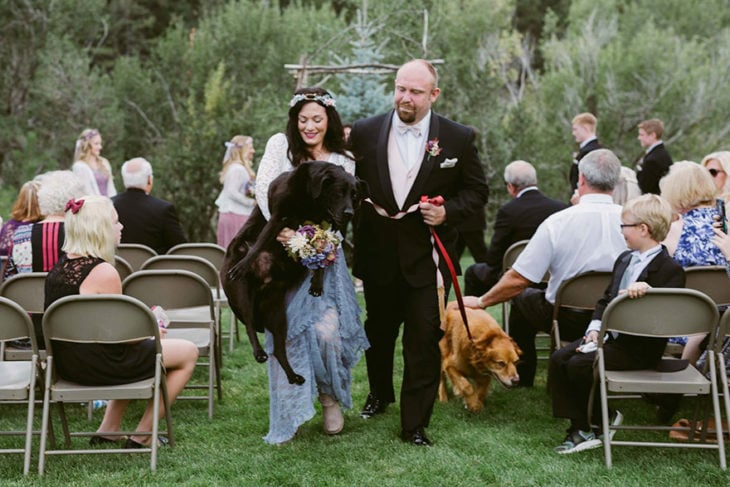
(404, 129)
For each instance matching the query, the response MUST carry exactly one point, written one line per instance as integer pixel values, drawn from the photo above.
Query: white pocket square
(448, 163)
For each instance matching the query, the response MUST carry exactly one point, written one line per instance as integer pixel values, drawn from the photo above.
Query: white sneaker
(578, 441)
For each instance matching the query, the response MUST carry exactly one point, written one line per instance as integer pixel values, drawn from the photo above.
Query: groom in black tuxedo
(404, 154)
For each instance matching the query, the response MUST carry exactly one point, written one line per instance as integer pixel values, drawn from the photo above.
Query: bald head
(416, 88)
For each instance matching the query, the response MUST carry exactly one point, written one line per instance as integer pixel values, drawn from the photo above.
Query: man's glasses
(715, 172)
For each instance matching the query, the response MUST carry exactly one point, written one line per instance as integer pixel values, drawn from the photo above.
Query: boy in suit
(584, 132)
(654, 163)
(645, 223)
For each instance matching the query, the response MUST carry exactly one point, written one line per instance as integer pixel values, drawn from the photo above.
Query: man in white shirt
(585, 237)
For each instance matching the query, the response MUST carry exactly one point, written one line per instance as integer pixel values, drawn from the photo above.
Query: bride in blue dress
(325, 337)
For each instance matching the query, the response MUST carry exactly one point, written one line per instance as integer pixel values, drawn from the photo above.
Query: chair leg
(64, 425)
(714, 392)
(45, 421)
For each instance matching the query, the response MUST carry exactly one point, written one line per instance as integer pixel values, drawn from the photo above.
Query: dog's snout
(349, 213)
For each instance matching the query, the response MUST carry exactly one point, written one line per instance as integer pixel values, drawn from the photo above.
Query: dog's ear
(317, 185)
(362, 190)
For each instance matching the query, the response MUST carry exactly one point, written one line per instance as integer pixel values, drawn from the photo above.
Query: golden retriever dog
(471, 366)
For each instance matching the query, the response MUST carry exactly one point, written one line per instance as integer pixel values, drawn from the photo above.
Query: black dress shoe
(373, 406)
(416, 438)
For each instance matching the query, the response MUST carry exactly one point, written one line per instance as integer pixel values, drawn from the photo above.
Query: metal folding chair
(123, 267)
(187, 300)
(661, 313)
(126, 320)
(18, 378)
(214, 254)
(579, 293)
(28, 290)
(135, 254)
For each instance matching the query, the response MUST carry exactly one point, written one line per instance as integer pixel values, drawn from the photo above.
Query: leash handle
(439, 201)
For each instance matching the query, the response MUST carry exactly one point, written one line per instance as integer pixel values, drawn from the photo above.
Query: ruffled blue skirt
(325, 340)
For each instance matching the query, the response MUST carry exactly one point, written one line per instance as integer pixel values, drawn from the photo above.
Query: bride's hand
(284, 235)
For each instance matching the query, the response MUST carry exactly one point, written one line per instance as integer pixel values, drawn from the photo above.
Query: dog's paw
(315, 292)
(261, 356)
(296, 379)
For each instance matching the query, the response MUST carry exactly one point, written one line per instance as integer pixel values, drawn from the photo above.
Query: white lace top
(276, 161)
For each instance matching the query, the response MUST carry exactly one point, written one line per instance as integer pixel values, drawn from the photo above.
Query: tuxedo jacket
(652, 167)
(662, 271)
(589, 147)
(148, 220)
(386, 248)
(517, 220)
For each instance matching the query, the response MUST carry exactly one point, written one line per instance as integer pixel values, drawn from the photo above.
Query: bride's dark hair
(334, 138)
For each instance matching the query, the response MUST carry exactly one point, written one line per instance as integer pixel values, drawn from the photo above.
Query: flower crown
(92, 133)
(325, 99)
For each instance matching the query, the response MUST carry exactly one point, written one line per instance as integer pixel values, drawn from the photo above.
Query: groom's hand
(432, 215)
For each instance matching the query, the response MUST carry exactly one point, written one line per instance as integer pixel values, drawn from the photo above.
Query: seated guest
(645, 222)
(92, 232)
(37, 246)
(627, 187)
(25, 210)
(147, 220)
(585, 237)
(718, 165)
(690, 190)
(516, 220)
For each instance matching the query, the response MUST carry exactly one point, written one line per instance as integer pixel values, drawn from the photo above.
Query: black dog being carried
(257, 273)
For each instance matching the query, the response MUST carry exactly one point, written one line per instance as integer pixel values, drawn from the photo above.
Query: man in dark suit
(147, 220)
(402, 155)
(645, 223)
(655, 162)
(516, 220)
(584, 132)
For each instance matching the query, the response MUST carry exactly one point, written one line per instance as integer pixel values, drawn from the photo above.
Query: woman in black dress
(92, 232)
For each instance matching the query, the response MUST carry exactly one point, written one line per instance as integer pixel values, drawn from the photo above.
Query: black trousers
(479, 278)
(417, 308)
(531, 313)
(570, 375)
(474, 241)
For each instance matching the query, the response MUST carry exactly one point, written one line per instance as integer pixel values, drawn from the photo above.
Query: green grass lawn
(509, 443)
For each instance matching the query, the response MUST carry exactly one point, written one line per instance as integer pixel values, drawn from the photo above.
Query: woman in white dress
(236, 201)
(325, 337)
(93, 169)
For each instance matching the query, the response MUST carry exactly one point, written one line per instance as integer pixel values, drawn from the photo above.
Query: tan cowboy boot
(334, 421)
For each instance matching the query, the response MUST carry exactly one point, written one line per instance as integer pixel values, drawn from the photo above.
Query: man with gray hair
(585, 237)
(516, 220)
(147, 220)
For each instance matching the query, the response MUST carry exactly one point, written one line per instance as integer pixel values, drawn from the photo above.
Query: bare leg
(113, 417)
(179, 357)
(691, 351)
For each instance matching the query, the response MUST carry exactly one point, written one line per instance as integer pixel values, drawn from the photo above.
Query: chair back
(511, 254)
(169, 288)
(662, 312)
(123, 267)
(99, 318)
(27, 289)
(711, 280)
(211, 252)
(581, 292)
(16, 323)
(135, 254)
(196, 265)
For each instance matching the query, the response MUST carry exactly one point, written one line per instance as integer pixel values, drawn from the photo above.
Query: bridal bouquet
(314, 246)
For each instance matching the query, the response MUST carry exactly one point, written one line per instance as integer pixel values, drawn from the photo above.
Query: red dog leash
(439, 201)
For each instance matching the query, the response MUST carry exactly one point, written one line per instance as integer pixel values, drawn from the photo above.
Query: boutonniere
(432, 148)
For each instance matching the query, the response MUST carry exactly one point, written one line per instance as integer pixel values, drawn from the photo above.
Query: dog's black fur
(257, 272)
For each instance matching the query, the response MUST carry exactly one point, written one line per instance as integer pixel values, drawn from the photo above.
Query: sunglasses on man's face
(715, 172)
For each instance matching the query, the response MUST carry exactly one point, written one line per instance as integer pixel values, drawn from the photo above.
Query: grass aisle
(509, 443)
